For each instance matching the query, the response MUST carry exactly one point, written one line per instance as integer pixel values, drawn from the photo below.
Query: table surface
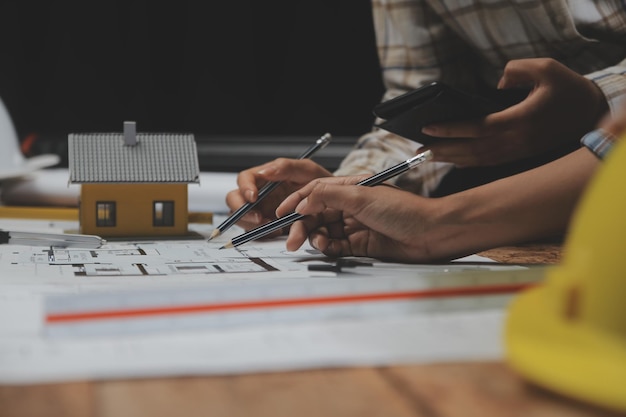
(443, 389)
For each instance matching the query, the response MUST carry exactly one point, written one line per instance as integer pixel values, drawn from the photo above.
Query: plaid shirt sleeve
(599, 141)
(612, 82)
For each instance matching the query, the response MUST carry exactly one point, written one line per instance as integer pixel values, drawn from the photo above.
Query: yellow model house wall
(134, 208)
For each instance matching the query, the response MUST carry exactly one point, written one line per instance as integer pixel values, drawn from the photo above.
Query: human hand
(344, 219)
(561, 107)
(292, 173)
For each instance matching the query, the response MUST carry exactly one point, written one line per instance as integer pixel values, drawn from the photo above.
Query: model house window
(163, 213)
(105, 213)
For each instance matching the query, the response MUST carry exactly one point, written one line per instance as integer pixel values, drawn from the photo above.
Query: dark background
(237, 74)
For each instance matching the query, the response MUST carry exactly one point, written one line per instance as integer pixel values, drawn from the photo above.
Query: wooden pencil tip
(214, 234)
(228, 246)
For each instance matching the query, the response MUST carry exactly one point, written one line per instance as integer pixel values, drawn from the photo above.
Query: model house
(133, 184)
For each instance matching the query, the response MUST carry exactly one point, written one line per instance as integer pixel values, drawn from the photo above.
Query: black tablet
(408, 113)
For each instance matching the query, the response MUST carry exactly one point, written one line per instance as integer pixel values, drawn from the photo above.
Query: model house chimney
(130, 133)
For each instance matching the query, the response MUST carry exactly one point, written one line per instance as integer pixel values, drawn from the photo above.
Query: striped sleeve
(599, 141)
(612, 82)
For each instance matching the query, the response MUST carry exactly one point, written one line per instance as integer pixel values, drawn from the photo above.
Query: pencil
(284, 221)
(268, 188)
(64, 240)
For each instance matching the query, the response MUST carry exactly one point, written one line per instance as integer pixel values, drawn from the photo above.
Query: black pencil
(268, 188)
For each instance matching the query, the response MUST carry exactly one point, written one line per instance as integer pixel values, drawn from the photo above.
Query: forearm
(532, 205)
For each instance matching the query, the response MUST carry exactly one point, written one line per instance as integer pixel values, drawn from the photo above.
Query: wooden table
(444, 389)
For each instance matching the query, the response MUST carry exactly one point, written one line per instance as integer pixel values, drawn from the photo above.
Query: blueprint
(189, 260)
(186, 307)
(157, 258)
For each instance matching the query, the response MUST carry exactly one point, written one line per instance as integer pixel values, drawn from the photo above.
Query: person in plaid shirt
(570, 53)
(470, 45)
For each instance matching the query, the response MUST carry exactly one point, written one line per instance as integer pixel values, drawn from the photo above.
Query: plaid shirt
(468, 43)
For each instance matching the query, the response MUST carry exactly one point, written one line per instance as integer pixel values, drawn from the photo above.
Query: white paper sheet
(473, 335)
(450, 328)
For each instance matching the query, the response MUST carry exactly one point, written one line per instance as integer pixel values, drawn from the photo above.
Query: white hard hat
(12, 161)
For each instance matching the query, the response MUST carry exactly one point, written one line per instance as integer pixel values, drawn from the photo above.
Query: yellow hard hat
(569, 333)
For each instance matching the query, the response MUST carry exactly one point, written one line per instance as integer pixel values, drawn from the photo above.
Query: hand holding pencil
(342, 219)
(252, 206)
(294, 216)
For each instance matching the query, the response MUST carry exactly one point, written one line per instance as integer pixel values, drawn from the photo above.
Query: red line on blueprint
(285, 302)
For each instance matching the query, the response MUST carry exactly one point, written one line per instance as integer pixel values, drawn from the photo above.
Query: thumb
(517, 73)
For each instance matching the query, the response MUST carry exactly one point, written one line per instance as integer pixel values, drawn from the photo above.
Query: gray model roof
(157, 157)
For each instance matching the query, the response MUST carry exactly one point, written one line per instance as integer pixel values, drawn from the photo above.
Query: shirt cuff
(612, 82)
(599, 141)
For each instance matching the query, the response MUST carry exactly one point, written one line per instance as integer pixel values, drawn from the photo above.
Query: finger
(298, 234)
(335, 229)
(529, 72)
(454, 152)
(281, 169)
(457, 129)
(319, 240)
(289, 204)
(301, 230)
(326, 223)
(488, 152)
(518, 73)
(252, 220)
(299, 171)
(331, 196)
(329, 246)
(234, 200)
(249, 182)
(465, 152)
(477, 127)
(333, 247)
